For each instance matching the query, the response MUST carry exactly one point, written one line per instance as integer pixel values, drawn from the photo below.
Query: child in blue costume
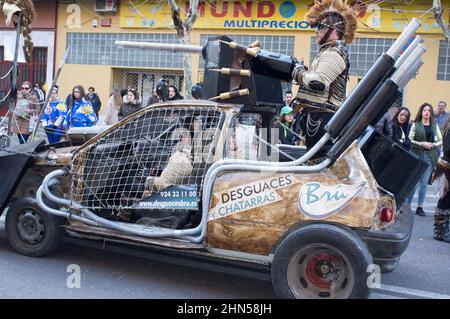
(81, 113)
(54, 118)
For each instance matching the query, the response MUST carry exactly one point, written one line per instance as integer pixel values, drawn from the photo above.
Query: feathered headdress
(26, 7)
(334, 14)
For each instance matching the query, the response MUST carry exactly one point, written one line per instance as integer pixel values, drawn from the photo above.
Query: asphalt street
(423, 272)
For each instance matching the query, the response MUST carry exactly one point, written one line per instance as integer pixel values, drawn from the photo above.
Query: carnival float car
(205, 178)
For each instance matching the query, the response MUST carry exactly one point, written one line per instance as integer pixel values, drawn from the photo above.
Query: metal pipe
(173, 47)
(415, 69)
(93, 219)
(57, 212)
(402, 40)
(381, 69)
(418, 40)
(400, 75)
(14, 74)
(377, 102)
(355, 100)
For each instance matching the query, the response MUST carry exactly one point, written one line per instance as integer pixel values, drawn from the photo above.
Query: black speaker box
(264, 91)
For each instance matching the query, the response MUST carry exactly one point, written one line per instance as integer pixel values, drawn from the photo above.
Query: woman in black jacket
(442, 176)
(131, 105)
(400, 127)
(174, 94)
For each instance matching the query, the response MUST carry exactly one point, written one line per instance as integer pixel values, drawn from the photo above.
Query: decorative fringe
(28, 16)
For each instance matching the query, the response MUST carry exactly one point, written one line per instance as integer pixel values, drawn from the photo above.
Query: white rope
(6, 74)
(6, 96)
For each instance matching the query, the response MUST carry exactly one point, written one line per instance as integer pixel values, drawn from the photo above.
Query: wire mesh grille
(162, 147)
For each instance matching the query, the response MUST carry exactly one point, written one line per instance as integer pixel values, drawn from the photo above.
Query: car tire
(321, 261)
(30, 230)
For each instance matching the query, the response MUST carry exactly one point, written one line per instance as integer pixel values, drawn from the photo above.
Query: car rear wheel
(31, 231)
(321, 261)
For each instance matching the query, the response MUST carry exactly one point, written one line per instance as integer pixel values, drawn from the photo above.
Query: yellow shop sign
(270, 15)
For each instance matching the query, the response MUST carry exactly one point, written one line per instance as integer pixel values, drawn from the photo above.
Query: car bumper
(389, 244)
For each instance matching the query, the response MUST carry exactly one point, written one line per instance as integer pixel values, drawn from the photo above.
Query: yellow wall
(99, 77)
(424, 88)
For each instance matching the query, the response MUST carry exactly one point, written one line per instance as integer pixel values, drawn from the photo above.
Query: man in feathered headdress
(323, 87)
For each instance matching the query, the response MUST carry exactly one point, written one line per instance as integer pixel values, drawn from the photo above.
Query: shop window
(144, 82)
(443, 68)
(363, 53)
(99, 49)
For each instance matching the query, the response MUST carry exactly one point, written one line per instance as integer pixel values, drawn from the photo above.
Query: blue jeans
(423, 182)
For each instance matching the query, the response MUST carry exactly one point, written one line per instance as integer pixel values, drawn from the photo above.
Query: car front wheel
(31, 231)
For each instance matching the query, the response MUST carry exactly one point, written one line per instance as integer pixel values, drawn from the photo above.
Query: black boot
(446, 236)
(440, 224)
(420, 212)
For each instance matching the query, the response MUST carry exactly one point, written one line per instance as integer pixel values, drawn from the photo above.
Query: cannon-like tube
(403, 39)
(417, 40)
(274, 65)
(380, 100)
(377, 72)
(172, 47)
(381, 69)
(399, 77)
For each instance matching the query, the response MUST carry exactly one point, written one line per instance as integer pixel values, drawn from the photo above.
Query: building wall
(425, 87)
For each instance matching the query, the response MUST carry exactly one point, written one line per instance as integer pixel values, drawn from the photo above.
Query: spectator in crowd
(26, 111)
(54, 118)
(94, 99)
(441, 116)
(80, 111)
(39, 93)
(288, 97)
(399, 127)
(286, 126)
(286, 102)
(442, 177)
(174, 94)
(154, 98)
(131, 106)
(160, 92)
(113, 108)
(426, 139)
(384, 125)
(124, 95)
